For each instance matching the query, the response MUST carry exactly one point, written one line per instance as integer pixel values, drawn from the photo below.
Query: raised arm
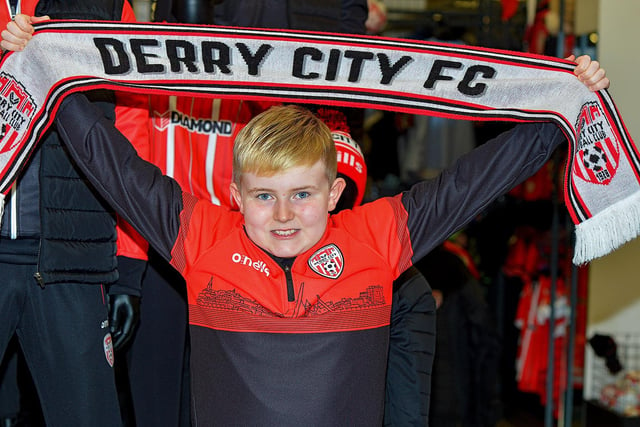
(136, 189)
(441, 206)
(445, 204)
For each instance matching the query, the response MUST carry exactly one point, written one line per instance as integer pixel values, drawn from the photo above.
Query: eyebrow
(271, 190)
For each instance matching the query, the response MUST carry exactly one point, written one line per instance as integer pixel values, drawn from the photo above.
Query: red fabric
(351, 162)
(536, 35)
(210, 234)
(509, 8)
(533, 320)
(27, 7)
(191, 140)
(464, 255)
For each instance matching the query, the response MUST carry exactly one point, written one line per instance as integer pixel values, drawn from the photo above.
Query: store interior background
(613, 289)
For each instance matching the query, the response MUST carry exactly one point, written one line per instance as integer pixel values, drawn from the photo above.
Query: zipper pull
(39, 279)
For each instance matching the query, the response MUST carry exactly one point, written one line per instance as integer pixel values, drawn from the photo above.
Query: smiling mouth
(285, 233)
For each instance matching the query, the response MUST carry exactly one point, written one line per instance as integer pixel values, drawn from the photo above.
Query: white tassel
(607, 230)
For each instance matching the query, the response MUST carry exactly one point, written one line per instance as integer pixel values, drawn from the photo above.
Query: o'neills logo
(598, 148)
(17, 108)
(327, 261)
(192, 124)
(260, 266)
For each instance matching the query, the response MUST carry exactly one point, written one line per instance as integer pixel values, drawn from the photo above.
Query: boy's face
(286, 214)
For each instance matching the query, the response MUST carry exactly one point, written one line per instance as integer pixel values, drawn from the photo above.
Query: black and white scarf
(602, 178)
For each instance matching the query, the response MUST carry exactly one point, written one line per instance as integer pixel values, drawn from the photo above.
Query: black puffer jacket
(338, 16)
(54, 203)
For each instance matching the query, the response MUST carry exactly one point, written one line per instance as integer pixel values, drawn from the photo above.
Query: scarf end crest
(607, 230)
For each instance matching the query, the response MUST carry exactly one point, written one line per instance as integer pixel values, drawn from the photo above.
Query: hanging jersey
(192, 141)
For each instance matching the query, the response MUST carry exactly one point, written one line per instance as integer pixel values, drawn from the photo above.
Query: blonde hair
(281, 138)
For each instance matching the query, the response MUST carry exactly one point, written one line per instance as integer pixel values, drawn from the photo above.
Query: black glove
(124, 315)
(124, 300)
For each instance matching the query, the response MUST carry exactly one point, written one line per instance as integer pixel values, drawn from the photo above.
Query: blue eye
(302, 195)
(263, 196)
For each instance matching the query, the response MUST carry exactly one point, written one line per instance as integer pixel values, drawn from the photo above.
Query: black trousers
(62, 330)
(158, 368)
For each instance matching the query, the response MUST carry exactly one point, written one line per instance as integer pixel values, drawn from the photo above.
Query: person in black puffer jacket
(57, 255)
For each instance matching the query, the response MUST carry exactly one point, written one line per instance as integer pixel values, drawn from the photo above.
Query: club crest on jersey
(17, 108)
(598, 148)
(327, 261)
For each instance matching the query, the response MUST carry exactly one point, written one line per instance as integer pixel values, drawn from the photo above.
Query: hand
(124, 315)
(19, 31)
(590, 73)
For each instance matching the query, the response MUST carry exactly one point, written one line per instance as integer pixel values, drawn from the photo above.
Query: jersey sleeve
(132, 118)
(438, 207)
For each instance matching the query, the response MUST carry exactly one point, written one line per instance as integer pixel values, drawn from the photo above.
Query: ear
(237, 197)
(335, 192)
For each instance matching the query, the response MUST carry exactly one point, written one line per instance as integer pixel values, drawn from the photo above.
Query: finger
(124, 338)
(37, 19)
(115, 330)
(603, 83)
(593, 76)
(117, 339)
(23, 22)
(583, 62)
(597, 80)
(17, 35)
(11, 42)
(571, 58)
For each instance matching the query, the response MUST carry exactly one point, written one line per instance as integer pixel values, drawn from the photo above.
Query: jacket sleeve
(136, 189)
(412, 345)
(130, 274)
(438, 207)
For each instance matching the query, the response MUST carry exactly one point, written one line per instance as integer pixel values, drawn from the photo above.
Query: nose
(283, 211)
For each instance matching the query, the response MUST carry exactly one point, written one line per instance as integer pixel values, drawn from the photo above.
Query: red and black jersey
(304, 345)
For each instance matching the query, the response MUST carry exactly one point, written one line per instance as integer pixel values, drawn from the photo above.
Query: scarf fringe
(607, 230)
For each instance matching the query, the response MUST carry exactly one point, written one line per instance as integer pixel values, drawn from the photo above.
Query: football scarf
(601, 176)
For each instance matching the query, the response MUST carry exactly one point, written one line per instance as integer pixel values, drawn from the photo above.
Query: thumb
(114, 317)
(37, 19)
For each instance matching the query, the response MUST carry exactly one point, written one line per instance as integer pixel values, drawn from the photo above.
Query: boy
(289, 307)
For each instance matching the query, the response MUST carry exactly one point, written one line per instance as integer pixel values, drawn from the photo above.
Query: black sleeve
(136, 189)
(438, 207)
(130, 274)
(412, 343)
